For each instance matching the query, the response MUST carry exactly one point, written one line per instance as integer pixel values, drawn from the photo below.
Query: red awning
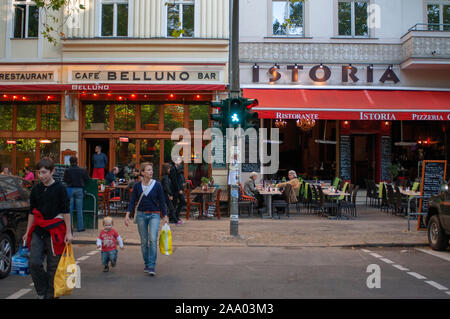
(109, 87)
(324, 104)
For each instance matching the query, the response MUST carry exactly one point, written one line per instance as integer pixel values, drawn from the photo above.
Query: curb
(381, 245)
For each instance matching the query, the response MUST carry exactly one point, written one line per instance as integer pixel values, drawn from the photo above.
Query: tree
(51, 13)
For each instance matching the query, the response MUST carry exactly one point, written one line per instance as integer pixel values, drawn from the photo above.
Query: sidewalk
(371, 228)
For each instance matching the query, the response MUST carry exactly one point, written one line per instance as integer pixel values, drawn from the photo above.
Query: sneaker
(106, 269)
(151, 272)
(146, 269)
(180, 222)
(113, 264)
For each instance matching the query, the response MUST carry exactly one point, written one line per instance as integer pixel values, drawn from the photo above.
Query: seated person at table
(111, 176)
(293, 180)
(109, 179)
(250, 189)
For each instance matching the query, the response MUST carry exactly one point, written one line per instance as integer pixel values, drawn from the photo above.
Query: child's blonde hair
(109, 220)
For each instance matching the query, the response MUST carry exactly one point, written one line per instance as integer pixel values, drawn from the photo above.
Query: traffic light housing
(249, 117)
(234, 112)
(220, 118)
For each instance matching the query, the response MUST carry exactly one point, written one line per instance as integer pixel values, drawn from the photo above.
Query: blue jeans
(109, 256)
(76, 195)
(148, 226)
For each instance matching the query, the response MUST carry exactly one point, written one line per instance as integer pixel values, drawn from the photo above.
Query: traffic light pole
(234, 92)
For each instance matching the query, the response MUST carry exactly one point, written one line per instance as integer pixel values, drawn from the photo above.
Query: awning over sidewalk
(331, 104)
(104, 87)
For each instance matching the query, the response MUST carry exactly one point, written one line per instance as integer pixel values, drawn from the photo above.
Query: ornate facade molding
(259, 52)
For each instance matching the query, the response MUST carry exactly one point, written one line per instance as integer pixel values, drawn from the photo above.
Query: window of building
(50, 117)
(6, 114)
(114, 17)
(173, 117)
(97, 117)
(352, 18)
(124, 117)
(288, 18)
(180, 18)
(26, 153)
(438, 15)
(26, 117)
(150, 117)
(26, 19)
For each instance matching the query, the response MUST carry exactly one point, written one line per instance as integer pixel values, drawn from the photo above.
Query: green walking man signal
(234, 112)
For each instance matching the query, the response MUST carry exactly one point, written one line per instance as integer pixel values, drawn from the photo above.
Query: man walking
(76, 177)
(177, 180)
(99, 161)
(48, 228)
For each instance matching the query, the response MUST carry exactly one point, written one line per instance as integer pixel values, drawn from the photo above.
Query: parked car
(14, 210)
(438, 220)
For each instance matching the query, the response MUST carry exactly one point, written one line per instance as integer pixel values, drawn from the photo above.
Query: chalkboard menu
(345, 155)
(385, 158)
(433, 174)
(251, 144)
(218, 152)
(58, 175)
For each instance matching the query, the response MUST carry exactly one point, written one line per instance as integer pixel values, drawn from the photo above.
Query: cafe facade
(126, 91)
(348, 104)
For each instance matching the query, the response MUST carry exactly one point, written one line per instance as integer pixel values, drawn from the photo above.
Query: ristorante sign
(354, 115)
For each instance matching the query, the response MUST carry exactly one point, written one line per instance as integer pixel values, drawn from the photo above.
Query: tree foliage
(52, 25)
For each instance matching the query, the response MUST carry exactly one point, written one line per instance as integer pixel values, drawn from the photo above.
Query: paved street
(257, 272)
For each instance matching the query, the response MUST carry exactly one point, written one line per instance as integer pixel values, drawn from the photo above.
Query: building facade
(353, 85)
(124, 74)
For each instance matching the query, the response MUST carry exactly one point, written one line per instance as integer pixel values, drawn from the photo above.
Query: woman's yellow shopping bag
(65, 275)
(165, 240)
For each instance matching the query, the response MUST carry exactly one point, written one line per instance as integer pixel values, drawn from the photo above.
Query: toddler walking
(107, 241)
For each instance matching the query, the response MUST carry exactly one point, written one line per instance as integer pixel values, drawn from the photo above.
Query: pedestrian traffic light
(220, 118)
(249, 117)
(236, 112)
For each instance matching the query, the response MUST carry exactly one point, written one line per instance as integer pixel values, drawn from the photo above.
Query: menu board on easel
(433, 175)
(345, 158)
(385, 158)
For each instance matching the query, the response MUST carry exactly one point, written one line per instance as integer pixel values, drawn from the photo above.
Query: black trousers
(41, 249)
(173, 217)
(179, 201)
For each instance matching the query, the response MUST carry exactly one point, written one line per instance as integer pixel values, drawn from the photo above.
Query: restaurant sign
(27, 76)
(343, 114)
(146, 76)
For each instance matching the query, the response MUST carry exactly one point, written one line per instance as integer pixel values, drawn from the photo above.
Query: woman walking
(149, 196)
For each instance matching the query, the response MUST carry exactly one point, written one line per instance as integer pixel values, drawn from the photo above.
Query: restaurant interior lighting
(11, 142)
(123, 139)
(45, 141)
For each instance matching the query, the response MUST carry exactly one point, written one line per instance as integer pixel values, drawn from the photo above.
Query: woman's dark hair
(45, 162)
(165, 169)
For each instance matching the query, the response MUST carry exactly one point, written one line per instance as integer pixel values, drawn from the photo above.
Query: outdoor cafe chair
(190, 202)
(401, 204)
(215, 203)
(322, 205)
(288, 199)
(246, 201)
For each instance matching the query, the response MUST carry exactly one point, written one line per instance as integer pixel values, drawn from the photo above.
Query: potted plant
(204, 182)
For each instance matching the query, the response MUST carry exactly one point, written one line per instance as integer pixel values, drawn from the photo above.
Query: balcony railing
(430, 27)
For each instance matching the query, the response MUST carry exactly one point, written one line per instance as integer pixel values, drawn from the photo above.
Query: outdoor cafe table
(331, 193)
(204, 192)
(411, 194)
(268, 199)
